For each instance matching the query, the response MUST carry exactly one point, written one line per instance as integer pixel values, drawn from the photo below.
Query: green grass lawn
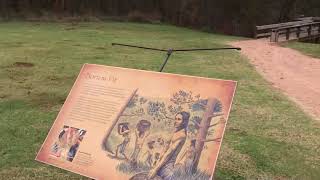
(309, 49)
(267, 136)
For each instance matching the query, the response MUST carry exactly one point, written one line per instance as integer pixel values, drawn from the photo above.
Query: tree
(213, 109)
(228, 16)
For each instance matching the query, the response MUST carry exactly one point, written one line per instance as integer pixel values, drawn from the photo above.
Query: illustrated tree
(201, 127)
(213, 109)
(135, 107)
(158, 111)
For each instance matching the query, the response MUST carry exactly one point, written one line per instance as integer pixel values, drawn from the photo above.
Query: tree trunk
(104, 143)
(4, 9)
(203, 131)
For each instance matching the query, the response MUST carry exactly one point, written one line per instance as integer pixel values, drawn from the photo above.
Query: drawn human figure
(74, 148)
(165, 146)
(165, 167)
(61, 143)
(123, 130)
(64, 130)
(160, 141)
(189, 156)
(142, 131)
(150, 153)
(156, 158)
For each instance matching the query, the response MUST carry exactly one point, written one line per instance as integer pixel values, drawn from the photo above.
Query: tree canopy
(228, 16)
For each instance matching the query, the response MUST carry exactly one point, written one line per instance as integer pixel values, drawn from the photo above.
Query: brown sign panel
(120, 123)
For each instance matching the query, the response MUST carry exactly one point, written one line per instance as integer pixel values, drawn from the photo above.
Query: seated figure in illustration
(164, 169)
(142, 131)
(123, 130)
(150, 154)
(187, 158)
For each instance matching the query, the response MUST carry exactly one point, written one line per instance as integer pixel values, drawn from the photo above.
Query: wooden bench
(296, 31)
(265, 30)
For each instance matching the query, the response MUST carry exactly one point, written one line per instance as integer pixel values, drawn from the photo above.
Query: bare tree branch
(221, 120)
(133, 114)
(212, 140)
(216, 115)
(168, 117)
(212, 125)
(195, 122)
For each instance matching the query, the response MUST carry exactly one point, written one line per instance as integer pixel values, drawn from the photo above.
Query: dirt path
(297, 75)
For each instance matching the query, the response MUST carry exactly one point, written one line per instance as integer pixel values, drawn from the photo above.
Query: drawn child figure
(165, 147)
(165, 168)
(156, 158)
(150, 153)
(162, 146)
(142, 131)
(123, 130)
(189, 155)
(160, 141)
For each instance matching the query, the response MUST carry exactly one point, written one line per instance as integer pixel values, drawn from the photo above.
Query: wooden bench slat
(272, 26)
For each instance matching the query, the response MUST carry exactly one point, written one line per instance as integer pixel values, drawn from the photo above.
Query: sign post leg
(169, 52)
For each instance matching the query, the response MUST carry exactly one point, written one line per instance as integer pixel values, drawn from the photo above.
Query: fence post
(309, 30)
(298, 32)
(255, 33)
(287, 33)
(274, 35)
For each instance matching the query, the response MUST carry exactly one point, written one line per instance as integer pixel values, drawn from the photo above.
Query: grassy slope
(267, 135)
(306, 48)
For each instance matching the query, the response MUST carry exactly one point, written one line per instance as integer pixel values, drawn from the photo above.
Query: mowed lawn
(309, 49)
(267, 136)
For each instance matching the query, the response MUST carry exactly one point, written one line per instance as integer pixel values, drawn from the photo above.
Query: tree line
(228, 16)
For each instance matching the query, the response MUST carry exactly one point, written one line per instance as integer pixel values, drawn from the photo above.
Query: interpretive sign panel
(120, 123)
